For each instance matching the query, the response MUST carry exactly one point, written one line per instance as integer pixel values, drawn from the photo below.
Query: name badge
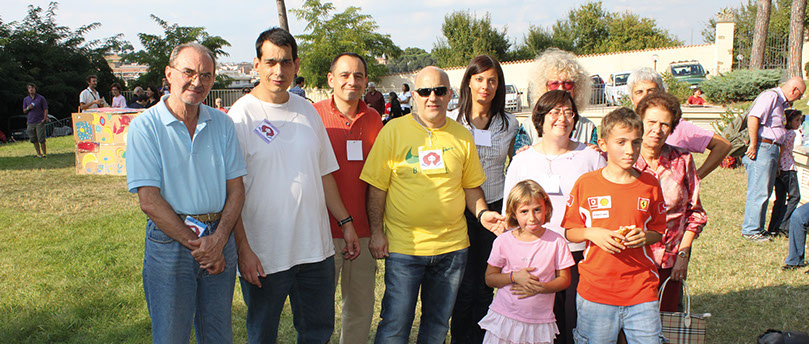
(354, 150)
(552, 183)
(195, 225)
(431, 161)
(266, 131)
(482, 137)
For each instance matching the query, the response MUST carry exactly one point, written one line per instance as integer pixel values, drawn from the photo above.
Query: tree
(465, 37)
(54, 57)
(591, 29)
(282, 14)
(412, 59)
(796, 26)
(158, 49)
(328, 35)
(536, 41)
(760, 34)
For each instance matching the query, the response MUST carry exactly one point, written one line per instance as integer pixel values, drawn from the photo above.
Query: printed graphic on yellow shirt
(431, 161)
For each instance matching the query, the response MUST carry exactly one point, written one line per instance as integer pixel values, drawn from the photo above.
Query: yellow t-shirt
(423, 212)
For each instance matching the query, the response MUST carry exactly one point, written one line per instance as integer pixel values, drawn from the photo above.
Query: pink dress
(529, 320)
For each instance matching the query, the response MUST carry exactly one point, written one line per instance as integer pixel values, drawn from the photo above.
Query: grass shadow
(31, 162)
(726, 326)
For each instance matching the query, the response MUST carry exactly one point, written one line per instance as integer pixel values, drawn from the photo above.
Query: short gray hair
(645, 74)
(176, 51)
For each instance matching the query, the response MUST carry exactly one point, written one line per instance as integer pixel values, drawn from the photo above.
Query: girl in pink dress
(532, 257)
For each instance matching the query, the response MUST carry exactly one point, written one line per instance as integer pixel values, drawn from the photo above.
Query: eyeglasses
(566, 85)
(556, 113)
(439, 91)
(190, 74)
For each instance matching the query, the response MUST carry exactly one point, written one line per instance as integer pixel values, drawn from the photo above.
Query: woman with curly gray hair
(558, 70)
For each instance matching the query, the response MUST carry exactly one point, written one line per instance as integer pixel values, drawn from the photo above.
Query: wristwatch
(682, 254)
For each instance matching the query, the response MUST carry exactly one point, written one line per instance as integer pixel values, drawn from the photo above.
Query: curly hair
(661, 100)
(555, 64)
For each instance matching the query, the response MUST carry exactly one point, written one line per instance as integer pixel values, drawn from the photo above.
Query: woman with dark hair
(404, 99)
(555, 161)
(481, 109)
(677, 173)
(395, 110)
(153, 96)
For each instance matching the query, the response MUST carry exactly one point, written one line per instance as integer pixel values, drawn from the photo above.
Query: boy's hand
(606, 239)
(636, 238)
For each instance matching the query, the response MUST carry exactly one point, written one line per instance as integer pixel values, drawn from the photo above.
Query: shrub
(678, 88)
(740, 85)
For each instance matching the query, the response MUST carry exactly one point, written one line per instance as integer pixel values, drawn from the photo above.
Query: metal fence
(775, 52)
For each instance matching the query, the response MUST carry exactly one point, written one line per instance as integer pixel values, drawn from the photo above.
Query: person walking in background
(787, 186)
(481, 110)
(89, 97)
(36, 107)
(375, 99)
(118, 100)
(533, 258)
(765, 124)
(298, 88)
(404, 99)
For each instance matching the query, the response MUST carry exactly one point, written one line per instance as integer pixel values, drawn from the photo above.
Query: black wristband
(480, 214)
(344, 221)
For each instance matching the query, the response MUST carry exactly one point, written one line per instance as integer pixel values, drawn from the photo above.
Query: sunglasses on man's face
(439, 91)
(566, 85)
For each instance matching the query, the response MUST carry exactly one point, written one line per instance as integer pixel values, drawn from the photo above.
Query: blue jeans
(438, 277)
(178, 292)
(760, 181)
(787, 198)
(797, 235)
(310, 288)
(599, 323)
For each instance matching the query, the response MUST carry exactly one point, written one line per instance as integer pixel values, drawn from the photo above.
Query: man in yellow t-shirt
(421, 172)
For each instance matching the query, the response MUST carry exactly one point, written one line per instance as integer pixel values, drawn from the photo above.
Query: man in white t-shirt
(89, 98)
(284, 239)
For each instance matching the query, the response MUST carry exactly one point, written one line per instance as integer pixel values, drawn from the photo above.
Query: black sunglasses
(439, 91)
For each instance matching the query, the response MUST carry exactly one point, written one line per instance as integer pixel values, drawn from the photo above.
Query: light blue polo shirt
(191, 175)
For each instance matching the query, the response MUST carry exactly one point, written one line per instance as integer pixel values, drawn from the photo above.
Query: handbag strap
(685, 291)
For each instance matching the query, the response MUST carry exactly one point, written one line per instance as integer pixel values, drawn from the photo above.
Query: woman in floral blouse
(677, 173)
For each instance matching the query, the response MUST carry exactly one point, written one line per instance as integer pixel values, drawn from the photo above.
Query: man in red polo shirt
(352, 127)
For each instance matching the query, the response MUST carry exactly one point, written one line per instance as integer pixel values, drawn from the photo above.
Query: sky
(415, 23)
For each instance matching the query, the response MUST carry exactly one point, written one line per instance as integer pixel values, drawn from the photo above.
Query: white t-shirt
(284, 214)
(119, 102)
(556, 174)
(404, 100)
(88, 96)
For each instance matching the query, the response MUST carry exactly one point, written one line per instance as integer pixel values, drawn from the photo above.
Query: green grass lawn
(72, 248)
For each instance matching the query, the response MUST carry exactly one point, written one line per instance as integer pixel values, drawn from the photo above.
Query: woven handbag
(679, 327)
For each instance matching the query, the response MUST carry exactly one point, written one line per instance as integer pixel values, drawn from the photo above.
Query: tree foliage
(328, 35)
(54, 57)
(412, 59)
(466, 36)
(157, 50)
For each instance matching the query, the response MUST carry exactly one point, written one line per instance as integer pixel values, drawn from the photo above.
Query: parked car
(598, 96)
(616, 88)
(690, 72)
(513, 99)
(54, 127)
(453, 101)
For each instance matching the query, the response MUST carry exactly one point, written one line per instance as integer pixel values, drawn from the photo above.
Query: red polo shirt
(365, 127)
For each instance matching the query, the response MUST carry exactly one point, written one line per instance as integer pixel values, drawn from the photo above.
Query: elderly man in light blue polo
(185, 163)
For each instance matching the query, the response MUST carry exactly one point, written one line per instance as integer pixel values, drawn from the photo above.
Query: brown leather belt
(763, 140)
(210, 217)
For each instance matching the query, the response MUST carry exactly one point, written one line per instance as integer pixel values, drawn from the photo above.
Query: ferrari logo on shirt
(662, 208)
(600, 202)
(570, 200)
(643, 204)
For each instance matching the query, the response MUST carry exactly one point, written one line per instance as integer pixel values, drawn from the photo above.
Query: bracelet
(344, 221)
(511, 277)
(480, 214)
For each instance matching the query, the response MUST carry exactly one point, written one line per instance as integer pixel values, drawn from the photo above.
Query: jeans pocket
(156, 235)
(579, 338)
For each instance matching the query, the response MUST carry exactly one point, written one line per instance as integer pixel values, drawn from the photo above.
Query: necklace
(285, 109)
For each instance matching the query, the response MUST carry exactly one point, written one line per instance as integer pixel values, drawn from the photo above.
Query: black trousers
(474, 297)
(564, 306)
